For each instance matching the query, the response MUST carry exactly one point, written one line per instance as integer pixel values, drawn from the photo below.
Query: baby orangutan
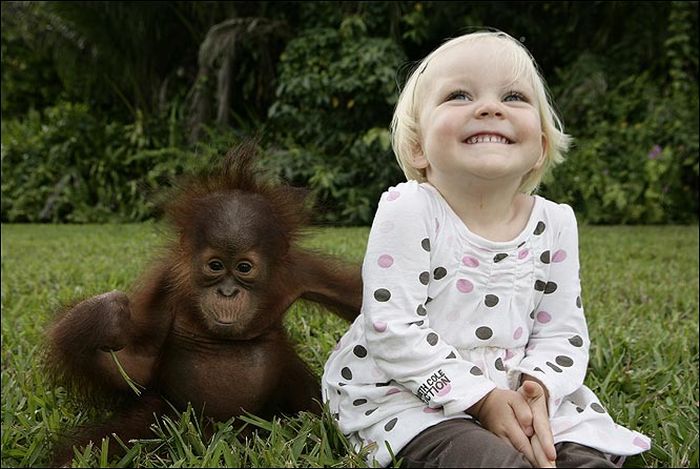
(204, 325)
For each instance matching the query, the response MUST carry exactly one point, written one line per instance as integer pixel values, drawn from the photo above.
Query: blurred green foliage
(98, 100)
(332, 133)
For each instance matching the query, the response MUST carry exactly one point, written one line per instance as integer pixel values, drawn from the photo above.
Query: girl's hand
(506, 414)
(542, 441)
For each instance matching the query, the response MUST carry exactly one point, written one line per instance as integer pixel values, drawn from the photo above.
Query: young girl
(472, 346)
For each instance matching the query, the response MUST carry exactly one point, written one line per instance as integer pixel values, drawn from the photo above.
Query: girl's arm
(557, 352)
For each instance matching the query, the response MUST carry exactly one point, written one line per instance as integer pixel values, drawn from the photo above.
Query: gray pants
(465, 443)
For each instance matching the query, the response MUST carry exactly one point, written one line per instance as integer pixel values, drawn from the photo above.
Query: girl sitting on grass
(472, 346)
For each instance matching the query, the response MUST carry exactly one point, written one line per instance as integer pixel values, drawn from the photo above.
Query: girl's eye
(244, 267)
(216, 266)
(458, 95)
(515, 96)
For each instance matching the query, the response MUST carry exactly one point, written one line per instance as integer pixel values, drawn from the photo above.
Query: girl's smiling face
(478, 120)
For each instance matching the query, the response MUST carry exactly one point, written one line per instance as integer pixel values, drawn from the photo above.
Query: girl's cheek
(449, 123)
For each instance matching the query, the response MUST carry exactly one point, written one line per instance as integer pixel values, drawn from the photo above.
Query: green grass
(640, 289)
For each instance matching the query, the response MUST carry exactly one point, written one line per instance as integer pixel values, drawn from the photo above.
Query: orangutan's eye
(244, 267)
(216, 265)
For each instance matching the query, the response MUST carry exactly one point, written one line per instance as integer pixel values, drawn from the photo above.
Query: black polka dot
(341, 384)
(578, 301)
(359, 351)
(554, 367)
(521, 244)
(484, 333)
(598, 408)
(336, 416)
(371, 410)
(428, 300)
(537, 368)
(545, 257)
(576, 341)
(539, 285)
(379, 385)
(346, 373)
(499, 257)
(499, 364)
(476, 371)
(451, 355)
(551, 287)
(532, 314)
(424, 277)
(338, 391)
(491, 300)
(578, 409)
(425, 244)
(439, 273)
(417, 323)
(390, 424)
(357, 402)
(432, 338)
(563, 360)
(539, 229)
(382, 295)
(421, 311)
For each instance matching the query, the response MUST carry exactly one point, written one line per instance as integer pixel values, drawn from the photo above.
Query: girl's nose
(489, 108)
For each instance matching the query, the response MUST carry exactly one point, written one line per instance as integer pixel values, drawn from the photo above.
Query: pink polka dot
(518, 333)
(559, 256)
(430, 410)
(464, 285)
(392, 391)
(379, 326)
(509, 354)
(437, 226)
(393, 195)
(640, 443)
(385, 260)
(470, 261)
(544, 317)
(523, 253)
(557, 401)
(446, 390)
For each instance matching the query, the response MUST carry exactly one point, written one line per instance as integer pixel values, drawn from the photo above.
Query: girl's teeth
(487, 139)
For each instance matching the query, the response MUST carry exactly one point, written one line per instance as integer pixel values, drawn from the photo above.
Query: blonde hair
(405, 126)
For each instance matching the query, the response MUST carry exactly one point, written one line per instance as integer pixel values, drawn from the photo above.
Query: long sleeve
(557, 351)
(396, 273)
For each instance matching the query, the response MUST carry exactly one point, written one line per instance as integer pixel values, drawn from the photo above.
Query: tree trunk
(223, 90)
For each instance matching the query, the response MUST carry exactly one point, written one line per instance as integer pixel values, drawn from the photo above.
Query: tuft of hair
(239, 172)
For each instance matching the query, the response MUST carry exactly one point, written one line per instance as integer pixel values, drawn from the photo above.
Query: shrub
(67, 165)
(635, 154)
(335, 95)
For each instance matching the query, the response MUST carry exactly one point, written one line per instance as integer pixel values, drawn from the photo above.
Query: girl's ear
(418, 159)
(543, 156)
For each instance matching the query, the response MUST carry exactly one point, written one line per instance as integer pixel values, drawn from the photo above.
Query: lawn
(640, 291)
